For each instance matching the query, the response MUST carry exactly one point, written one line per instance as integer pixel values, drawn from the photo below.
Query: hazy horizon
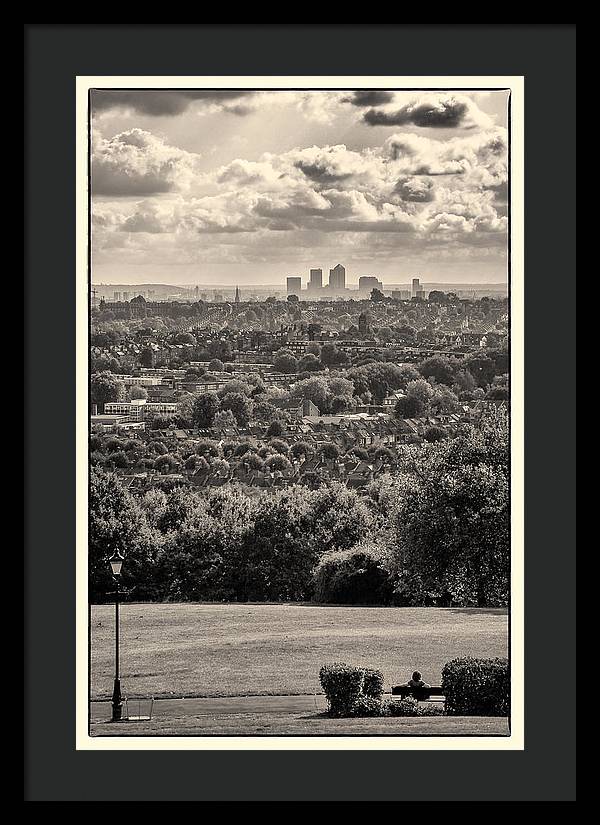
(223, 188)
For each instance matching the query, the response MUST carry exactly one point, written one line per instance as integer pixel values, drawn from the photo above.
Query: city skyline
(223, 188)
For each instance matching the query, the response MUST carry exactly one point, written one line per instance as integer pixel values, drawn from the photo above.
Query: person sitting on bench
(416, 681)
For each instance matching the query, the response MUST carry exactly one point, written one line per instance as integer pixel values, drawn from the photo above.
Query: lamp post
(116, 563)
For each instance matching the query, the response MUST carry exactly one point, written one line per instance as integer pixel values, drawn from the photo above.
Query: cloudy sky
(250, 187)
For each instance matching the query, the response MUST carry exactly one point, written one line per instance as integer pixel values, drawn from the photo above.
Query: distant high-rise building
(401, 294)
(294, 286)
(416, 286)
(125, 296)
(337, 277)
(217, 297)
(116, 296)
(316, 279)
(237, 295)
(366, 283)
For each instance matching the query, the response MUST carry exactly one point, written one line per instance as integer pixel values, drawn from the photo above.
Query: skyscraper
(337, 277)
(368, 282)
(294, 286)
(237, 295)
(416, 286)
(316, 280)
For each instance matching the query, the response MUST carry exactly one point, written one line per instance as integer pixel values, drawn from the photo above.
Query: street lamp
(116, 564)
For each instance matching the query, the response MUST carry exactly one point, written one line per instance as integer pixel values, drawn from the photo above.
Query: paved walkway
(221, 706)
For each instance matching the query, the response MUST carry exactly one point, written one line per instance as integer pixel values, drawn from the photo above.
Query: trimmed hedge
(372, 683)
(476, 687)
(343, 686)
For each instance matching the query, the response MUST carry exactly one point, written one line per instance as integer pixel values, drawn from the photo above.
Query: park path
(221, 706)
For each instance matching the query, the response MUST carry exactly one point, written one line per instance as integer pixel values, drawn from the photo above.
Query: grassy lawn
(261, 724)
(173, 650)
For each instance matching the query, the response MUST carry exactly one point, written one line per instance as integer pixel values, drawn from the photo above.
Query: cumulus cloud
(436, 111)
(417, 189)
(420, 188)
(165, 102)
(137, 162)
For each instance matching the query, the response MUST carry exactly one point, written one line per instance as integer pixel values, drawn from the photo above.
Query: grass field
(175, 650)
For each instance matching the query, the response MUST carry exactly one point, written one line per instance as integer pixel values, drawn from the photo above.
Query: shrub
(372, 683)
(430, 709)
(368, 706)
(405, 707)
(342, 685)
(476, 687)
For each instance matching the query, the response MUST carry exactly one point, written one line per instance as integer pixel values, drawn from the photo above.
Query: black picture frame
(54, 55)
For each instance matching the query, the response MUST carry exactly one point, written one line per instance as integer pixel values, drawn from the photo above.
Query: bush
(431, 709)
(405, 707)
(372, 683)
(368, 706)
(342, 685)
(476, 687)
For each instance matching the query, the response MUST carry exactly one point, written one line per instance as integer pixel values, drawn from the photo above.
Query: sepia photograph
(300, 306)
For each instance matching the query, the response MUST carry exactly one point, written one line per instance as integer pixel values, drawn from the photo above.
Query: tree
(309, 363)
(439, 368)
(279, 446)
(264, 411)
(300, 448)
(185, 338)
(434, 433)
(416, 401)
(207, 449)
(117, 523)
(278, 463)
(167, 464)
(444, 401)
(340, 403)
(329, 451)
(105, 387)
(293, 299)
(377, 296)
(285, 361)
(332, 356)
(204, 409)
(224, 418)
(235, 385)
(312, 389)
(275, 428)
(450, 519)
(240, 406)
(136, 392)
(216, 365)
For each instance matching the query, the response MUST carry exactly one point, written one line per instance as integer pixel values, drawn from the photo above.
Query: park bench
(420, 694)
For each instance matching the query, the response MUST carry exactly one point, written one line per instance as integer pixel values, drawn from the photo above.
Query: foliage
(342, 685)
(403, 707)
(477, 687)
(372, 683)
(355, 576)
(204, 409)
(367, 706)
